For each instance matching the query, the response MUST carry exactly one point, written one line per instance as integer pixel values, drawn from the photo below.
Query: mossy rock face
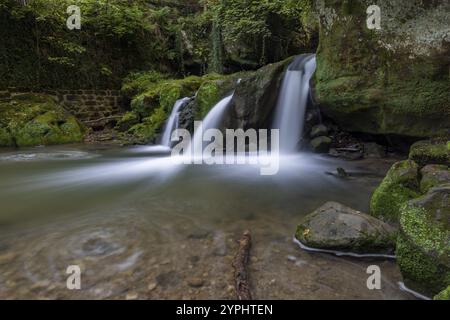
(433, 176)
(164, 94)
(36, 119)
(430, 152)
(399, 186)
(443, 295)
(337, 227)
(423, 247)
(256, 97)
(147, 131)
(388, 81)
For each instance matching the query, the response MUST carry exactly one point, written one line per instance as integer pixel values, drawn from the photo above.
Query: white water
(292, 102)
(172, 123)
(211, 121)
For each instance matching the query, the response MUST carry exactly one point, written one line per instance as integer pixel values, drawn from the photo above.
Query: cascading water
(292, 102)
(172, 122)
(211, 121)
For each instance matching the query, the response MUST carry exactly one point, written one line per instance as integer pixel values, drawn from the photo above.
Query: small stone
(319, 131)
(292, 258)
(152, 286)
(131, 296)
(196, 282)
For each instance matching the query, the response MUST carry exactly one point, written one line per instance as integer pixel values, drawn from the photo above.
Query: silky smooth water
(172, 122)
(140, 226)
(292, 102)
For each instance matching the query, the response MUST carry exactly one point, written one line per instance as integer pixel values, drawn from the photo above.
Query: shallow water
(142, 227)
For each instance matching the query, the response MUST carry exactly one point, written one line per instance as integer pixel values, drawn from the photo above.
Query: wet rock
(319, 131)
(196, 282)
(414, 102)
(423, 250)
(167, 279)
(342, 173)
(374, 150)
(337, 227)
(152, 286)
(131, 296)
(351, 153)
(254, 98)
(430, 152)
(400, 185)
(432, 176)
(321, 144)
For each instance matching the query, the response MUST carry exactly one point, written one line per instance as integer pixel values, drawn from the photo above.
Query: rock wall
(94, 108)
(392, 81)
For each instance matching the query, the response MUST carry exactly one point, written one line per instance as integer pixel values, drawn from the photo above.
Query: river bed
(141, 227)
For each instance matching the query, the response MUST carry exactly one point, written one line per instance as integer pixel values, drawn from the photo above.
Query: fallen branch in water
(240, 265)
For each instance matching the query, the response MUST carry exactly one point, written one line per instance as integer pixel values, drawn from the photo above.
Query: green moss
(6, 140)
(399, 186)
(146, 131)
(433, 176)
(36, 119)
(430, 152)
(128, 120)
(207, 96)
(422, 250)
(443, 295)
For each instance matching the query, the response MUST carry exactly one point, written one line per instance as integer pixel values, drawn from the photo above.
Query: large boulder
(37, 119)
(256, 96)
(430, 152)
(400, 185)
(388, 81)
(423, 246)
(337, 227)
(432, 176)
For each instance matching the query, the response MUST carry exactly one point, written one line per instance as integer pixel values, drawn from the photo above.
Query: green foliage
(32, 119)
(115, 37)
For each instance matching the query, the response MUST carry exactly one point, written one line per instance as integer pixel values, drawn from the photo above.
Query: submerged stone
(337, 227)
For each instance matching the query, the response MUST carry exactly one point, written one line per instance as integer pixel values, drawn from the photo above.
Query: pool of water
(141, 227)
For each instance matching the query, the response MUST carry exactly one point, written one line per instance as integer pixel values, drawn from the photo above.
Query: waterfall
(293, 100)
(212, 121)
(172, 122)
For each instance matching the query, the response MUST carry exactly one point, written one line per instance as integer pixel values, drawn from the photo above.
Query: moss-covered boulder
(388, 81)
(164, 94)
(400, 185)
(36, 119)
(433, 175)
(423, 246)
(431, 152)
(337, 227)
(256, 97)
(147, 131)
(443, 295)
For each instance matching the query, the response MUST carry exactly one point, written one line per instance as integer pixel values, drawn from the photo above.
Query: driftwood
(240, 265)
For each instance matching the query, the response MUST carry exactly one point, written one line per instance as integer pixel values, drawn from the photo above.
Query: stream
(141, 227)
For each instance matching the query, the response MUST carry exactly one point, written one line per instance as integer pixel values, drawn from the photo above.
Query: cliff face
(389, 81)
